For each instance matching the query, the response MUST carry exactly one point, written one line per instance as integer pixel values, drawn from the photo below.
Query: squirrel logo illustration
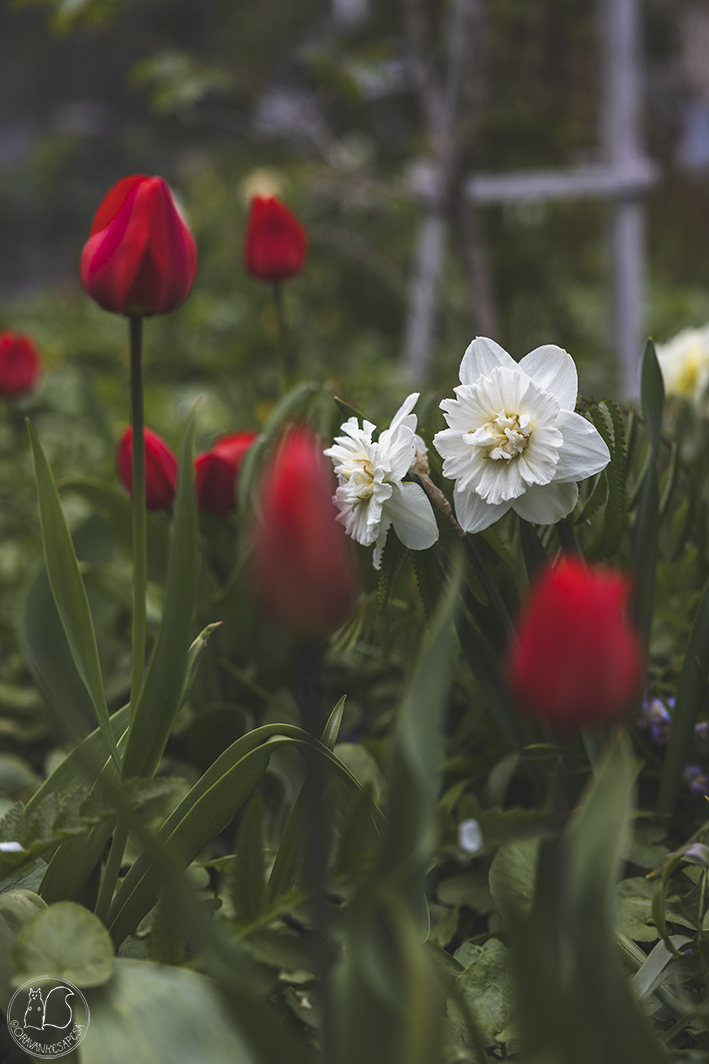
(52, 1011)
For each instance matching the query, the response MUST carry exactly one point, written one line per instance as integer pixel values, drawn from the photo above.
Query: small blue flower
(696, 779)
(656, 718)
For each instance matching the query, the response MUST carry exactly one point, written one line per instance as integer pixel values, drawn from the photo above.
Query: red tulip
(276, 242)
(217, 472)
(576, 660)
(20, 365)
(304, 570)
(160, 468)
(141, 258)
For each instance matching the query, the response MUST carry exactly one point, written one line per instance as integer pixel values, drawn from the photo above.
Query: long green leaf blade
(68, 588)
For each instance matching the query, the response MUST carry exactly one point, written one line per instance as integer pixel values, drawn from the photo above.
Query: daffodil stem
(283, 359)
(113, 867)
(140, 552)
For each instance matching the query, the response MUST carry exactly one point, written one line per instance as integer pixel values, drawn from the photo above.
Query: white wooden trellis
(622, 178)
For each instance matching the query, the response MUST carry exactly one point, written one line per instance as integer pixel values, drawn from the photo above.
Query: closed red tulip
(304, 570)
(141, 258)
(20, 365)
(577, 659)
(160, 468)
(276, 242)
(217, 472)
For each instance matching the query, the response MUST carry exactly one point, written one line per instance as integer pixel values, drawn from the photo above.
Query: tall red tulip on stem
(303, 567)
(140, 260)
(275, 248)
(576, 659)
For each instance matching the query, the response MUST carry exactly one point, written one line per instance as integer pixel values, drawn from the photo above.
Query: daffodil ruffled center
(505, 436)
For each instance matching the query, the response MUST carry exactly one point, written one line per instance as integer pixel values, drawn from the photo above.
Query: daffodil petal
(474, 514)
(583, 453)
(554, 371)
(481, 358)
(412, 516)
(545, 504)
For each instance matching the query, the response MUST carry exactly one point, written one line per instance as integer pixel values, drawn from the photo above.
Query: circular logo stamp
(48, 1017)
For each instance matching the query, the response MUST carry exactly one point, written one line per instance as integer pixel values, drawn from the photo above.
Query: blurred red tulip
(217, 472)
(160, 468)
(304, 570)
(141, 258)
(20, 365)
(576, 660)
(276, 242)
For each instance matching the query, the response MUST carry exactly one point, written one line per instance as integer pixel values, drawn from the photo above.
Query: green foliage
(65, 941)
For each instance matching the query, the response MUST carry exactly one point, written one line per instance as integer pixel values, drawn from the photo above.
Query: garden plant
(356, 740)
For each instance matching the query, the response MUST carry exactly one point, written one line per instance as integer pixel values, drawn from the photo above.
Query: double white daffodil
(371, 495)
(514, 441)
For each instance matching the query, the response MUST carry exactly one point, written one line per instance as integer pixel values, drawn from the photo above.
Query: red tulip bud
(20, 365)
(217, 472)
(141, 258)
(576, 660)
(276, 242)
(304, 570)
(160, 468)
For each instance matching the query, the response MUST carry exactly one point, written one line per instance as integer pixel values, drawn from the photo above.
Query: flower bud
(303, 567)
(576, 659)
(141, 258)
(160, 468)
(217, 472)
(20, 365)
(276, 242)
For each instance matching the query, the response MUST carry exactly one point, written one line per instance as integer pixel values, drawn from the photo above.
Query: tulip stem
(113, 867)
(140, 550)
(283, 359)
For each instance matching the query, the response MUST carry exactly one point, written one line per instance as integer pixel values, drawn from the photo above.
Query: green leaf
(286, 409)
(488, 988)
(161, 696)
(428, 580)
(348, 410)
(690, 695)
(633, 909)
(513, 874)
(207, 809)
(289, 858)
(645, 547)
(654, 968)
(393, 557)
(68, 588)
(535, 557)
(248, 872)
(65, 941)
(150, 1013)
(652, 395)
(17, 907)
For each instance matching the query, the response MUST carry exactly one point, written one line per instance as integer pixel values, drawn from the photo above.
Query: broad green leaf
(652, 395)
(65, 941)
(161, 696)
(488, 988)
(512, 878)
(633, 909)
(653, 970)
(150, 1013)
(690, 695)
(68, 588)
(17, 907)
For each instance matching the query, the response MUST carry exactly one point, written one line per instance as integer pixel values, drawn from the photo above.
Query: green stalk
(140, 550)
(283, 360)
(113, 867)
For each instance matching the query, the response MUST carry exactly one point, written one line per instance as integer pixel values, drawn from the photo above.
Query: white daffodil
(514, 441)
(371, 495)
(684, 362)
